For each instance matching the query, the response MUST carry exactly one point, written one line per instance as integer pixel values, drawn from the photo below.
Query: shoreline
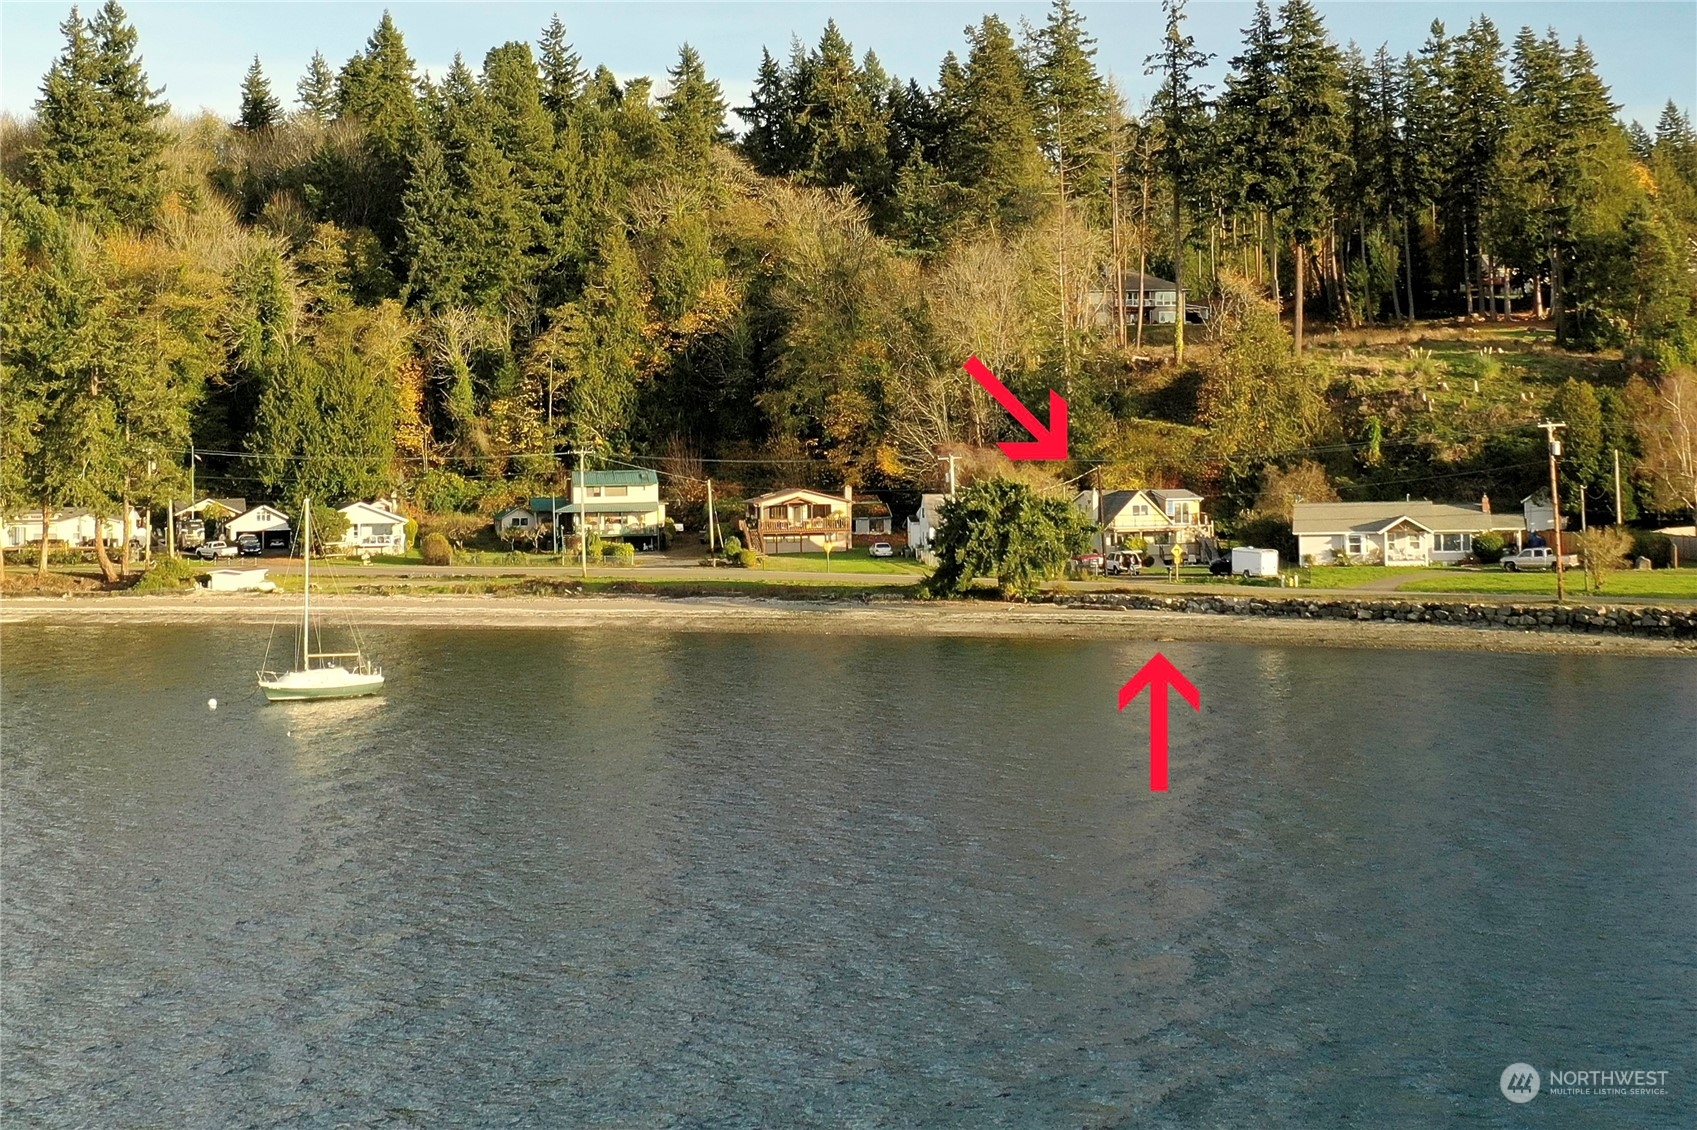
(878, 618)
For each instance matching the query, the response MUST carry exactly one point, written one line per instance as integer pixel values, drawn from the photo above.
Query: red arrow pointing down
(1050, 442)
(1158, 674)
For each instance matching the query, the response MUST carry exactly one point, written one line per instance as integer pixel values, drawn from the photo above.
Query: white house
(72, 527)
(622, 503)
(1396, 533)
(1161, 519)
(373, 528)
(515, 521)
(923, 526)
(267, 523)
(191, 520)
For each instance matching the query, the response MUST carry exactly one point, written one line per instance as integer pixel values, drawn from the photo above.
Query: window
(1352, 544)
(615, 492)
(521, 521)
(1140, 510)
(1452, 543)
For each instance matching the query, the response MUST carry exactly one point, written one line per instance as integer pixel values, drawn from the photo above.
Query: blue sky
(1646, 51)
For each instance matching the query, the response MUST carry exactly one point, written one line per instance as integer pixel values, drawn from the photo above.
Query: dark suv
(249, 545)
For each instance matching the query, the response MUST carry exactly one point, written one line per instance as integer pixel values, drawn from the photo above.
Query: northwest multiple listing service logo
(1521, 1082)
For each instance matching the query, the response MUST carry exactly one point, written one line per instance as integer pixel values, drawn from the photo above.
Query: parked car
(212, 550)
(1088, 562)
(1220, 567)
(249, 545)
(1124, 564)
(882, 549)
(1537, 557)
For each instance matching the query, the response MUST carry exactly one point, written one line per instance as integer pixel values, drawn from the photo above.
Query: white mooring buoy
(212, 704)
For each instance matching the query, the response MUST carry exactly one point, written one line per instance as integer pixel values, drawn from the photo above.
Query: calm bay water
(582, 879)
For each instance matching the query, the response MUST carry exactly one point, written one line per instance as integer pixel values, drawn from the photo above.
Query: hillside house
(798, 520)
(1397, 533)
(1149, 298)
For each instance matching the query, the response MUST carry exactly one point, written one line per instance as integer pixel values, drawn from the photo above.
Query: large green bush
(1005, 529)
(1489, 547)
(619, 552)
(435, 550)
(1657, 547)
(747, 558)
(168, 574)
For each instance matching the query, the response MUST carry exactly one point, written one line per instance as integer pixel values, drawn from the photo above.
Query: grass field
(1665, 584)
(852, 561)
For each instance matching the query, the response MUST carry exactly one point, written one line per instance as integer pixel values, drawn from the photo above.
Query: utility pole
(1555, 505)
(1618, 518)
(582, 492)
(712, 520)
(951, 461)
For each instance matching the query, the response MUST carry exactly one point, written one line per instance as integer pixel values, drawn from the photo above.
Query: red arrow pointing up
(1158, 674)
(1050, 442)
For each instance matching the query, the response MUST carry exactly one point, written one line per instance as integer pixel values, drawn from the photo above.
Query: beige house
(72, 527)
(373, 527)
(799, 520)
(622, 503)
(1396, 533)
(1162, 519)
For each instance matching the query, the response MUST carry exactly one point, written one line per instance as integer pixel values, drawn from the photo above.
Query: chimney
(1484, 504)
(848, 492)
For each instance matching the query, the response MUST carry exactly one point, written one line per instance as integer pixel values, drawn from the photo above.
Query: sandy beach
(707, 614)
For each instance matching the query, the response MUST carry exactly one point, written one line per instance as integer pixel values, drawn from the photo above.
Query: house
(517, 521)
(1161, 519)
(927, 520)
(618, 504)
(72, 527)
(1153, 299)
(798, 520)
(191, 520)
(373, 527)
(873, 522)
(267, 523)
(1397, 533)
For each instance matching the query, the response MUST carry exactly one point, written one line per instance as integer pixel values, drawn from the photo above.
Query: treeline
(436, 285)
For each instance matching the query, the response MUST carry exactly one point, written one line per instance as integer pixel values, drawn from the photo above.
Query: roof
(1149, 282)
(233, 505)
(374, 507)
(1376, 517)
(870, 507)
(545, 505)
(1114, 501)
(798, 492)
(260, 511)
(624, 477)
(1177, 495)
(525, 510)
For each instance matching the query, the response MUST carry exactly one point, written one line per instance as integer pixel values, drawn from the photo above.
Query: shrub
(167, 574)
(1268, 531)
(747, 558)
(1600, 549)
(1489, 547)
(412, 531)
(733, 546)
(1657, 547)
(435, 550)
(619, 552)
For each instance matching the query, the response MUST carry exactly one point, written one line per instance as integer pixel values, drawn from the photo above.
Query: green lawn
(1671, 584)
(853, 561)
(1348, 576)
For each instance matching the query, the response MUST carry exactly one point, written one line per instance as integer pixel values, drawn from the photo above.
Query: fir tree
(1179, 108)
(260, 108)
(1308, 125)
(562, 72)
(98, 154)
(1071, 104)
(693, 110)
(992, 147)
(316, 91)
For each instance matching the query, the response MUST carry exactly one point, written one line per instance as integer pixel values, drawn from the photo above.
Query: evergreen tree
(1308, 126)
(1479, 98)
(1179, 108)
(1071, 105)
(316, 91)
(99, 146)
(260, 108)
(1246, 114)
(562, 73)
(693, 111)
(769, 143)
(991, 147)
(378, 89)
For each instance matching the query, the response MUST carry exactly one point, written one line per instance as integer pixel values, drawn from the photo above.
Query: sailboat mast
(306, 586)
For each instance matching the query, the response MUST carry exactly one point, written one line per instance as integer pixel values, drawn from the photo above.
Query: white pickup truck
(1538, 557)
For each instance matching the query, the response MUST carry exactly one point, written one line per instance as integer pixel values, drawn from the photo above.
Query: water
(623, 879)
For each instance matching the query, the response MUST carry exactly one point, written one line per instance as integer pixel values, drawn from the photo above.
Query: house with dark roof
(1397, 533)
(1161, 519)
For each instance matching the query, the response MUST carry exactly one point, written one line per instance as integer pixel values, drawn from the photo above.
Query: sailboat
(318, 674)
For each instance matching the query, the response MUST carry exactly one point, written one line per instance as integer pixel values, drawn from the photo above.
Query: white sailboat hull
(320, 682)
